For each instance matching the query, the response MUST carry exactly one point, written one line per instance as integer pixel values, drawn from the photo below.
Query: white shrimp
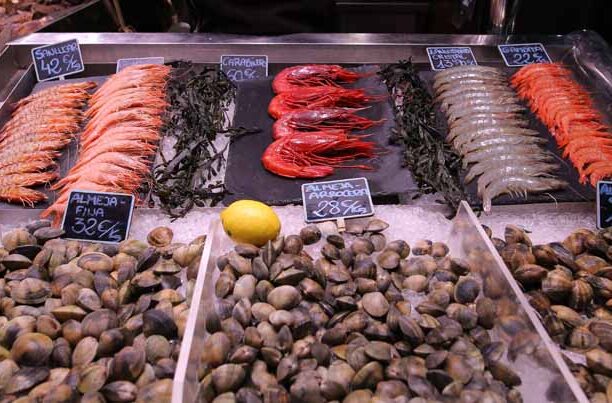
(453, 76)
(474, 98)
(475, 133)
(517, 185)
(459, 90)
(535, 169)
(446, 86)
(509, 140)
(456, 112)
(505, 161)
(497, 151)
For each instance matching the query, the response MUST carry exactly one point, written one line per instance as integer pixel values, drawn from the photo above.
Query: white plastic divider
(185, 383)
(550, 345)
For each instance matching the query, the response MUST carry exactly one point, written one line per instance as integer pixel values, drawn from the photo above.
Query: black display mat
(68, 155)
(574, 192)
(246, 177)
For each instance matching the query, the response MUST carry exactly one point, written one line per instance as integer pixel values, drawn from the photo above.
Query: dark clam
(26, 378)
(517, 254)
(422, 247)
(31, 291)
(310, 234)
(514, 235)
(466, 290)
(530, 274)
(15, 262)
(362, 245)
(557, 285)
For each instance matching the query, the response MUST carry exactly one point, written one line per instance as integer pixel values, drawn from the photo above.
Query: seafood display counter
(514, 305)
(371, 72)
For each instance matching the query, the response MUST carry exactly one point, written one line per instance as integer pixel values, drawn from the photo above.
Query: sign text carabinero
(244, 67)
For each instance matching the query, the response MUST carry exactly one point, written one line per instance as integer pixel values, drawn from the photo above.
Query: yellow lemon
(250, 221)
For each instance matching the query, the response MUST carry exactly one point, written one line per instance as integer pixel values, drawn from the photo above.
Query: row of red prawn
(41, 125)
(315, 116)
(567, 110)
(120, 138)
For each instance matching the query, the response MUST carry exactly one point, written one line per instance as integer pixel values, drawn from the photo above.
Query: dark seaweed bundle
(199, 98)
(433, 163)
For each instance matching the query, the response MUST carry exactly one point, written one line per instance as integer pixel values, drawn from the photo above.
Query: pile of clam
(366, 321)
(92, 322)
(570, 286)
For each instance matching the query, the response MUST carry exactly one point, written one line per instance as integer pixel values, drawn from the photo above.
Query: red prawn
(315, 154)
(313, 75)
(320, 119)
(319, 97)
(568, 111)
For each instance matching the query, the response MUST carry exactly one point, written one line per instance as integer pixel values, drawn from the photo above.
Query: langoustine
(488, 128)
(567, 109)
(41, 125)
(120, 138)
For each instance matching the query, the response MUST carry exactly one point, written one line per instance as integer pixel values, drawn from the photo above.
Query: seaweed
(434, 164)
(199, 99)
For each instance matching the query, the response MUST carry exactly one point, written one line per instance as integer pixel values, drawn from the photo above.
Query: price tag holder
(244, 67)
(442, 58)
(604, 204)
(337, 200)
(98, 216)
(57, 60)
(123, 63)
(522, 54)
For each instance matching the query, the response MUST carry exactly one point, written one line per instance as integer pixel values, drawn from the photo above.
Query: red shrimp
(315, 154)
(319, 97)
(313, 75)
(320, 119)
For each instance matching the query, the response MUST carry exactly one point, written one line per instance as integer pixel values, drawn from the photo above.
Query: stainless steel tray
(544, 374)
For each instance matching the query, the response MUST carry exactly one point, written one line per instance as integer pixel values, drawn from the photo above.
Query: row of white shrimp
(487, 126)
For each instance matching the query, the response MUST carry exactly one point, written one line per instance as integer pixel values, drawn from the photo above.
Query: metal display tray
(545, 375)
(585, 51)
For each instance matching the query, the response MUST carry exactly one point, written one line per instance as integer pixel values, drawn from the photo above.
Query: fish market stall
(425, 299)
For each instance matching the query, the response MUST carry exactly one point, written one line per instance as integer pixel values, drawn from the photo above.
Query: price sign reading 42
(57, 60)
(346, 198)
(98, 216)
(522, 54)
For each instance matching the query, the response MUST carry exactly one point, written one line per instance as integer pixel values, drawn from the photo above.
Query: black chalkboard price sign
(98, 216)
(604, 204)
(241, 68)
(442, 58)
(57, 60)
(123, 63)
(522, 54)
(331, 200)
